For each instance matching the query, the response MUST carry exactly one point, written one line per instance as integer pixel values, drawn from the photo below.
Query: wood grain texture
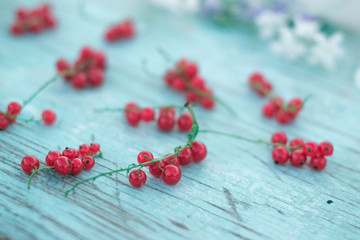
(236, 193)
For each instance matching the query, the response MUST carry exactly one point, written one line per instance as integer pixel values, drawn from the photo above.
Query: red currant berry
(296, 143)
(198, 82)
(94, 148)
(318, 163)
(68, 152)
(185, 157)
(29, 163)
(95, 77)
(76, 166)
(167, 110)
(49, 117)
(297, 158)
(63, 165)
(284, 117)
(16, 28)
(131, 106)
(37, 28)
(142, 159)
(79, 81)
(166, 122)
(199, 151)
(326, 149)
(185, 122)
(154, 169)
(84, 150)
(279, 137)
(171, 175)
(100, 60)
(133, 117)
(14, 108)
(191, 70)
(295, 105)
(170, 76)
(50, 21)
(86, 53)
(269, 110)
(76, 154)
(4, 122)
(178, 84)
(22, 13)
(51, 158)
(88, 162)
(256, 78)
(310, 149)
(207, 103)
(191, 96)
(137, 178)
(62, 65)
(280, 155)
(147, 114)
(173, 160)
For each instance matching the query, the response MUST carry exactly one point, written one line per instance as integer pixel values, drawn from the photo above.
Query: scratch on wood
(232, 202)
(180, 225)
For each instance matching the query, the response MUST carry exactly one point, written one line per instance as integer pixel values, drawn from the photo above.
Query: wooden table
(235, 193)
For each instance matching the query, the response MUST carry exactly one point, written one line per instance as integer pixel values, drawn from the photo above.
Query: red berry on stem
(51, 158)
(297, 158)
(178, 84)
(131, 106)
(279, 137)
(280, 155)
(191, 96)
(154, 169)
(29, 163)
(75, 154)
(185, 157)
(14, 108)
(297, 143)
(142, 159)
(49, 117)
(84, 150)
(68, 152)
(185, 122)
(133, 117)
(207, 103)
(277, 102)
(284, 117)
(147, 114)
(4, 122)
(100, 60)
(22, 13)
(318, 163)
(137, 178)
(198, 82)
(86, 53)
(191, 70)
(94, 148)
(79, 81)
(326, 149)
(173, 160)
(76, 166)
(62, 65)
(166, 122)
(269, 110)
(63, 165)
(88, 162)
(167, 110)
(310, 149)
(95, 77)
(295, 105)
(199, 151)
(171, 175)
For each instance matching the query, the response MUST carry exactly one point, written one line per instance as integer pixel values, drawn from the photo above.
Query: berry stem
(123, 109)
(30, 120)
(35, 171)
(47, 83)
(191, 137)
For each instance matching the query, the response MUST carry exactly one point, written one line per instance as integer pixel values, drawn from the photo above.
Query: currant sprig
(191, 137)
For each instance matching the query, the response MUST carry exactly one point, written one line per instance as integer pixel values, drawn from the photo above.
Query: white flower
(287, 45)
(326, 50)
(178, 5)
(269, 23)
(306, 29)
(357, 77)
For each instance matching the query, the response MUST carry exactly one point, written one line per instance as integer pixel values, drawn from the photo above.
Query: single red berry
(22, 13)
(277, 102)
(88, 162)
(133, 117)
(207, 103)
(318, 163)
(198, 82)
(14, 108)
(29, 163)
(173, 160)
(178, 84)
(326, 149)
(76, 154)
(16, 28)
(185, 122)
(297, 158)
(86, 53)
(79, 81)
(185, 157)
(279, 137)
(137, 178)
(51, 158)
(297, 143)
(256, 78)
(4, 122)
(269, 110)
(310, 149)
(170, 76)
(95, 77)
(76, 166)
(284, 117)
(191, 96)
(191, 70)
(266, 88)
(62, 65)
(280, 155)
(100, 60)
(68, 152)
(111, 35)
(166, 122)
(63, 165)
(147, 114)
(295, 105)
(142, 159)
(94, 148)
(167, 110)
(131, 106)
(84, 150)
(49, 117)
(171, 175)
(50, 21)
(154, 169)
(128, 29)
(199, 151)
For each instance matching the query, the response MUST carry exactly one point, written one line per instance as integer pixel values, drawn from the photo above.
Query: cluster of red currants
(184, 77)
(14, 109)
(124, 30)
(34, 21)
(300, 151)
(284, 114)
(168, 168)
(165, 122)
(87, 70)
(67, 162)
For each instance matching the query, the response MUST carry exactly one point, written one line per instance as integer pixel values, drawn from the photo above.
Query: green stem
(35, 171)
(191, 137)
(30, 120)
(47, 83)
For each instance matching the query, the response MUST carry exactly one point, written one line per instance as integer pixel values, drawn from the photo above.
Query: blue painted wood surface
(236, 193)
